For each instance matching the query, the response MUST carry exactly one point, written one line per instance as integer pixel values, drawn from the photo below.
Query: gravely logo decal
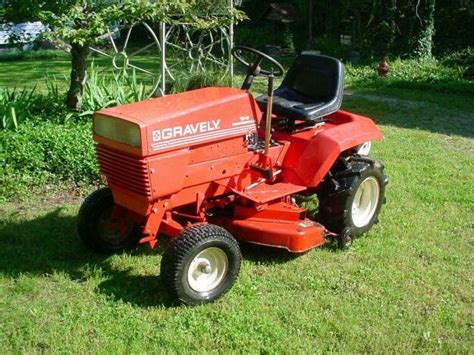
(187, 130)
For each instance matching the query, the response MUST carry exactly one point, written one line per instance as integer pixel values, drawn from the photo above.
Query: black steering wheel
(254, 69)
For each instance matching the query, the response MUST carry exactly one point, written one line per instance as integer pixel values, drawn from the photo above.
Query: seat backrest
(316, 76)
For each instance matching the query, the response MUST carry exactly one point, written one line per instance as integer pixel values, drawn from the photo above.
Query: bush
(330, 47)
(44, 143)
(36, 154)
(26, 105)
(429, 75)
(463, 57)
(254, 36)
(106, 91)
(185, 81)
(18, 106)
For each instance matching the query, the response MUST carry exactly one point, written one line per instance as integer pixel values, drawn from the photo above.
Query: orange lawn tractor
(213, 167)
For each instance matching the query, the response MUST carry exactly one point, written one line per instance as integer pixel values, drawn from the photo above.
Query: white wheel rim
(365, 202)
(364, 149)
(208, 269)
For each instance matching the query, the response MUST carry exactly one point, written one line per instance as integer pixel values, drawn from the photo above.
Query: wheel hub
(208, 269)
(364, 149)
(365, 202)
(113, 230)
(205, 267)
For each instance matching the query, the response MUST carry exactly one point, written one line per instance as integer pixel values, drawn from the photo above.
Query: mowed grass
(36, 72)
(406, 286)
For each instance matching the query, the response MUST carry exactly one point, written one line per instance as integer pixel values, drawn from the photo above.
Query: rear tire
(201, 265)
(99, 231)
(352, 195)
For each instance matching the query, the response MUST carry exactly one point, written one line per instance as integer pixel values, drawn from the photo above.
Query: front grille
(126, 172)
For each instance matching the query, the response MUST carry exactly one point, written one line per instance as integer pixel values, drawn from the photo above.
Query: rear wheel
(352, 195)
(201, 264)
(100, 230)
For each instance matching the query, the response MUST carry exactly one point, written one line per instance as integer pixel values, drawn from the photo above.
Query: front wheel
(100, 230)
(201, 264)
(351, 196)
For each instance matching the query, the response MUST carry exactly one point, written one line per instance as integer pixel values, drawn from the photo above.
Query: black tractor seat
(312, 89)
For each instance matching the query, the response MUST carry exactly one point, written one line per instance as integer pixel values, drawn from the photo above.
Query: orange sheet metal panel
(264, 193)
(295, 236)
(190, 118)
(313, 152)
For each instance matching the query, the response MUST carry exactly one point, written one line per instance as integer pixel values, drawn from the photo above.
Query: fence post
(163, 57)
(231, 45)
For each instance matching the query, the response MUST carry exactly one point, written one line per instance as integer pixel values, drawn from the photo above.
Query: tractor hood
(177, 121)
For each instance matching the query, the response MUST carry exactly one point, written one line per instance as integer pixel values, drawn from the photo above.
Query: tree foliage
(83, 22)
(407, 28)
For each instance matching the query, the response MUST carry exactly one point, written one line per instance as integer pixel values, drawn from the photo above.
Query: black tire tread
(178, 249)
(336, 190)
(87, 217)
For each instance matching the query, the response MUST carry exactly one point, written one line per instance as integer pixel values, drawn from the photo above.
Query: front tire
(201, 265)
(352, 195)
(99, 230)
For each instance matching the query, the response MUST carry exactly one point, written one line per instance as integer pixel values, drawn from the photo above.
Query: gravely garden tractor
(214, 166)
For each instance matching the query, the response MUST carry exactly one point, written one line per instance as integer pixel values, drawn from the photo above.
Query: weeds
(105, 91)
(40, 153)
(22, 105)
(15, 106)
(427, 75)
(190, 81)
(27, 105)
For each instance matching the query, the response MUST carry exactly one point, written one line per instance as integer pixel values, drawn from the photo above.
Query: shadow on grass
(50, 244)
(266, 255)
(442, 113)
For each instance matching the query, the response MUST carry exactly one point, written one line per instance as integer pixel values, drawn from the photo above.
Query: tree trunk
(79, 56)
(424, 41)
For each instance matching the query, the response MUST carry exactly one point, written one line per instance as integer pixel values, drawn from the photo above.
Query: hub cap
(365, 202)
(208, 269)
(364, 149)
(113, 231)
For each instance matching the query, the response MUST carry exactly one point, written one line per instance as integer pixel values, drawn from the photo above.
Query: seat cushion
(290, 109)
(312, 89)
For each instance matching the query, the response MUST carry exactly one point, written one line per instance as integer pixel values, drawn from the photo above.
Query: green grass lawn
(35, 72)
(406, 286)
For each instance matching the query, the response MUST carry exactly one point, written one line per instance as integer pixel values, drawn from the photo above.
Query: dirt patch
(47, 197)
(389, 100)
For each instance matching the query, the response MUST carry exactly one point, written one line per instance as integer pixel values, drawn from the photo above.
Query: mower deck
(280, 225)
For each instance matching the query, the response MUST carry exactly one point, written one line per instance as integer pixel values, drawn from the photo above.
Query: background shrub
(27, 105)
(23, 105)
(330, 47)
(430, 75)
(47, 153)
(43, 143)
(191, 81)
(104, 91)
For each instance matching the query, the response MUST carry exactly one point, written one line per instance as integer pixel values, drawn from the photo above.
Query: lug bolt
(205, 268)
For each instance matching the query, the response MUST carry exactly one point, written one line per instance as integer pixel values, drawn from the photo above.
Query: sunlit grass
(404, 287)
